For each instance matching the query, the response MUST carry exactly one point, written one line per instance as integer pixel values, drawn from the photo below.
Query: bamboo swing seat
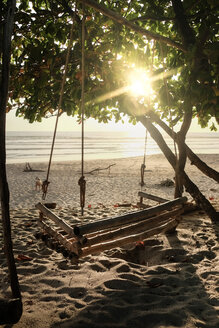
(79, 241)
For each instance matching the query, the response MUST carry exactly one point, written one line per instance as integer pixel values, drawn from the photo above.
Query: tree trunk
(181, 136)
(4, 190)
(188, 38)
(195, 160)
(187, 33)
(191, 188)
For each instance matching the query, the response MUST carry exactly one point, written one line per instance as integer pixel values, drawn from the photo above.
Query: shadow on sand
(169, 288)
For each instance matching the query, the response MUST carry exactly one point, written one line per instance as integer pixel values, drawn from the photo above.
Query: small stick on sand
(101, 169)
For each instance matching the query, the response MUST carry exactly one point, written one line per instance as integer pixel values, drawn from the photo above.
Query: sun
(139, 83)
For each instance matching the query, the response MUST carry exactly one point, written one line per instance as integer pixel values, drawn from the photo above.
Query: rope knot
(44, 188)
(143, 166)
(82, 184)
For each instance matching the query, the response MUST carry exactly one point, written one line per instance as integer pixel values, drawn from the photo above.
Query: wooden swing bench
(154, 198)
(79, 241)
(82, 240)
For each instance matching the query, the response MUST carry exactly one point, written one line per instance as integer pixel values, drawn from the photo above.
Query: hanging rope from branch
(168, 101)
(178, 184)
(46, 182)
(143, 165)
(82, 181)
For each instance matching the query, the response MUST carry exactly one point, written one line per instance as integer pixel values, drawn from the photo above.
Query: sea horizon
(35, 146)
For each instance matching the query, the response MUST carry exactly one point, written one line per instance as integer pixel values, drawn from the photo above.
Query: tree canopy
(175, 42)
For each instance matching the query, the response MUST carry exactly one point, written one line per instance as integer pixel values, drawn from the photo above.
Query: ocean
(22, 147)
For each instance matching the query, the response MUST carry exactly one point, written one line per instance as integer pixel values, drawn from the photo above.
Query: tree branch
(191, 188)
(195, 160)
(153, 18)
(200, 14)
(121, 20)
(100, 169)
(186, 31)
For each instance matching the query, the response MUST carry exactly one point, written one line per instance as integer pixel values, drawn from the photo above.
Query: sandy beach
(168, 281)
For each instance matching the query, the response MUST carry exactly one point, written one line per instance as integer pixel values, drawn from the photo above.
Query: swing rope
(46, 182)
(177, 179)
(143, 165)
(145, 146)
(82, 181)
(168, 101)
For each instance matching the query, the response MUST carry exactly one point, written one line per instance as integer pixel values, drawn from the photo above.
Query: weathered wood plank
(152, 197)
(61, 223)
(71, 245)
(133, 228)
(167, 226)
(127, 218)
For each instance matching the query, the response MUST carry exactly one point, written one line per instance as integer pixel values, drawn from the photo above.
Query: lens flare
(139, 83)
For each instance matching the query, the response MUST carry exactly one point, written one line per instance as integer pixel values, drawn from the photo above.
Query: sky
(67, 123)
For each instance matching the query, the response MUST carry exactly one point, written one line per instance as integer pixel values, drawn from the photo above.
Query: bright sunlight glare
(139, 83)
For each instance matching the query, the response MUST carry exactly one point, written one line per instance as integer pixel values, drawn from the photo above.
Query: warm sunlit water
(35, 146)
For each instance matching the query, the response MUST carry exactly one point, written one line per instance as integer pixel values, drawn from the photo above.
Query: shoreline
(45, 162)
(119, 183)
(36, 146)
(205, 156)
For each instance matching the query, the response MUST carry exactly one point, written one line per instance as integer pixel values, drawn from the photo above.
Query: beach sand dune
(170, 281)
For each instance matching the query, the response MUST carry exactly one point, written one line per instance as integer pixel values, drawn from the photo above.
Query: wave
(35, 146)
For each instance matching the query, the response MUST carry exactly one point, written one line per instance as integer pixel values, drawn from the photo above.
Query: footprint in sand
(78, 292)
(64, 315)
(120, 284)
(200, 256)
(97, 267)
(123, 268)
(55, 283)
(108, 264)
(31, 270)
(157, 319)
(80, 305)
(131, 277)
(52, 298)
